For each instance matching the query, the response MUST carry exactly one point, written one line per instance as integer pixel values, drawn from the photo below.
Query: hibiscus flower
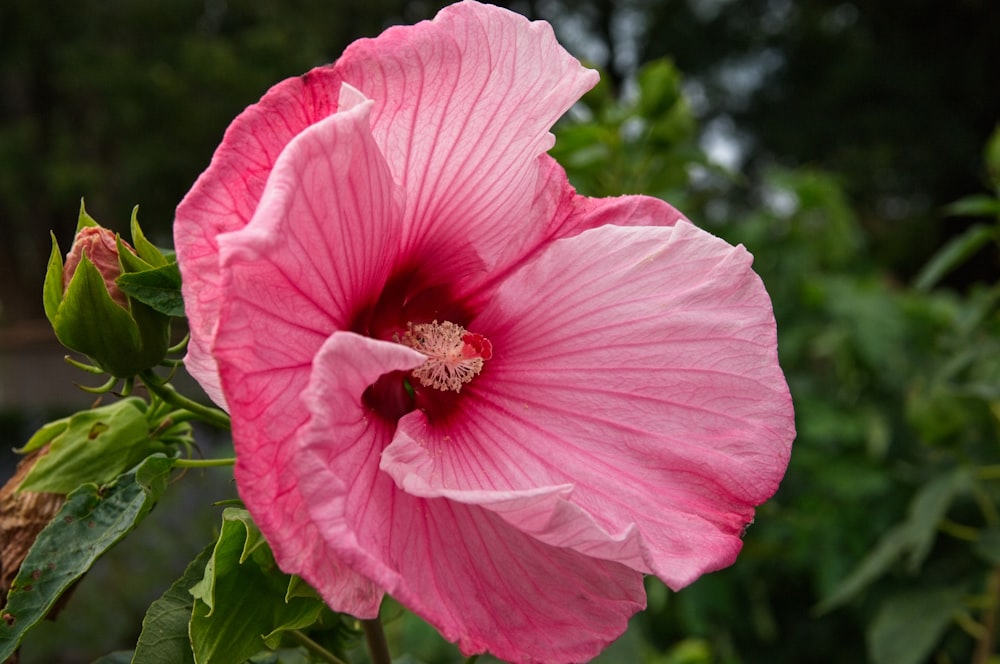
(453, 379)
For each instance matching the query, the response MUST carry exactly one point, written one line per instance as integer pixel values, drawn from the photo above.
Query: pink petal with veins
(329, 202)
(480, 581)
(637, 366)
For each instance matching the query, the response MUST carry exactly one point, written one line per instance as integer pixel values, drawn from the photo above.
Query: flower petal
(638, 365)
(319, 247)
(464, 104)
(481, 582)
(225, 197)
(559, 212)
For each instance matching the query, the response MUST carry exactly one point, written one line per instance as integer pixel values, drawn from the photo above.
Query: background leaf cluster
(883, 543)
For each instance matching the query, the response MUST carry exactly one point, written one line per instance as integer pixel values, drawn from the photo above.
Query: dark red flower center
(408, 312)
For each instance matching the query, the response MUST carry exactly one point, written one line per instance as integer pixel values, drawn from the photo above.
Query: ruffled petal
(463, 107)
(638, 365)
(225, 197)
(464, 104)
(559, 212)
(544, 512)
(482, 583)
(319, 246)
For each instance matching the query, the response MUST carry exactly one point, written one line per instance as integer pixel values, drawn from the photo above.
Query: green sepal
(147, 250)
(127, 259)
(52, 291)
(45, 435)
(240, 604)
(91, 521)
(164, 637)
(85, 220)
(90, 322)
(96, 446)
(159, 288)
(154, 329)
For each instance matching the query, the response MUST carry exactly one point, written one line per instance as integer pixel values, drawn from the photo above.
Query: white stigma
(454, 355)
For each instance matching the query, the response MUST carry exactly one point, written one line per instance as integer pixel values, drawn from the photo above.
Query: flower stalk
(378, 648)
(166, 391)
(315, 648)
(204, 463)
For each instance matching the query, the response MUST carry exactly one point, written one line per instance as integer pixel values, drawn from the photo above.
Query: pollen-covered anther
(454, 355)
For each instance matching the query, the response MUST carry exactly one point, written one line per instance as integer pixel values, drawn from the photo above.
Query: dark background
(122, 103)
(844, 130)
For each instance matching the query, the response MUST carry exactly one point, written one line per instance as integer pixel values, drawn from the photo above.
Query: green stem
(315, 648)
(984, 646)
(203, 463)
(377, 646)
(471, 659)
(166, 391)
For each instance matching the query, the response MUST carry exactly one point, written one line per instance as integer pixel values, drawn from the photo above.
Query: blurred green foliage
(883, 543)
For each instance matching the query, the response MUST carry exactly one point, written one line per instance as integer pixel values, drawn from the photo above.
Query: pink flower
(452, 378)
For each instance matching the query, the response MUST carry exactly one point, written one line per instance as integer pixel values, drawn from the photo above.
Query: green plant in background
(646, 143)
(883, 543)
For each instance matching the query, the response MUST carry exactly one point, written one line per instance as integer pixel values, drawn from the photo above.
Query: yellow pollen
(454, 355)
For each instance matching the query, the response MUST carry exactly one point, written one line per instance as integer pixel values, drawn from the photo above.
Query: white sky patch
(706, 10)
(573, 28)
(782, 203)
(724, 144)
(742, 77)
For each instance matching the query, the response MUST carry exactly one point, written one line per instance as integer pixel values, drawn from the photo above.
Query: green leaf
(117, 657)
(914, 536)
(164, 638)
(987, 546)
(146, 249)
(240, 604)
(991, 155)
(877, 562)
(908, 626)
(659, 89)
(952, 255)
(52, 290)
(96, 446)
(979, 205)
(928, 507)
(91, 521)
(160, 288)
(282, 656)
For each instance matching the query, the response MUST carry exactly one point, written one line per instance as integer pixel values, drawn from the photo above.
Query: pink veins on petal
(452, 378)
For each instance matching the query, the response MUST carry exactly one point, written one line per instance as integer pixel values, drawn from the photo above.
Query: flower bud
(91, 314)
(101, 247)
